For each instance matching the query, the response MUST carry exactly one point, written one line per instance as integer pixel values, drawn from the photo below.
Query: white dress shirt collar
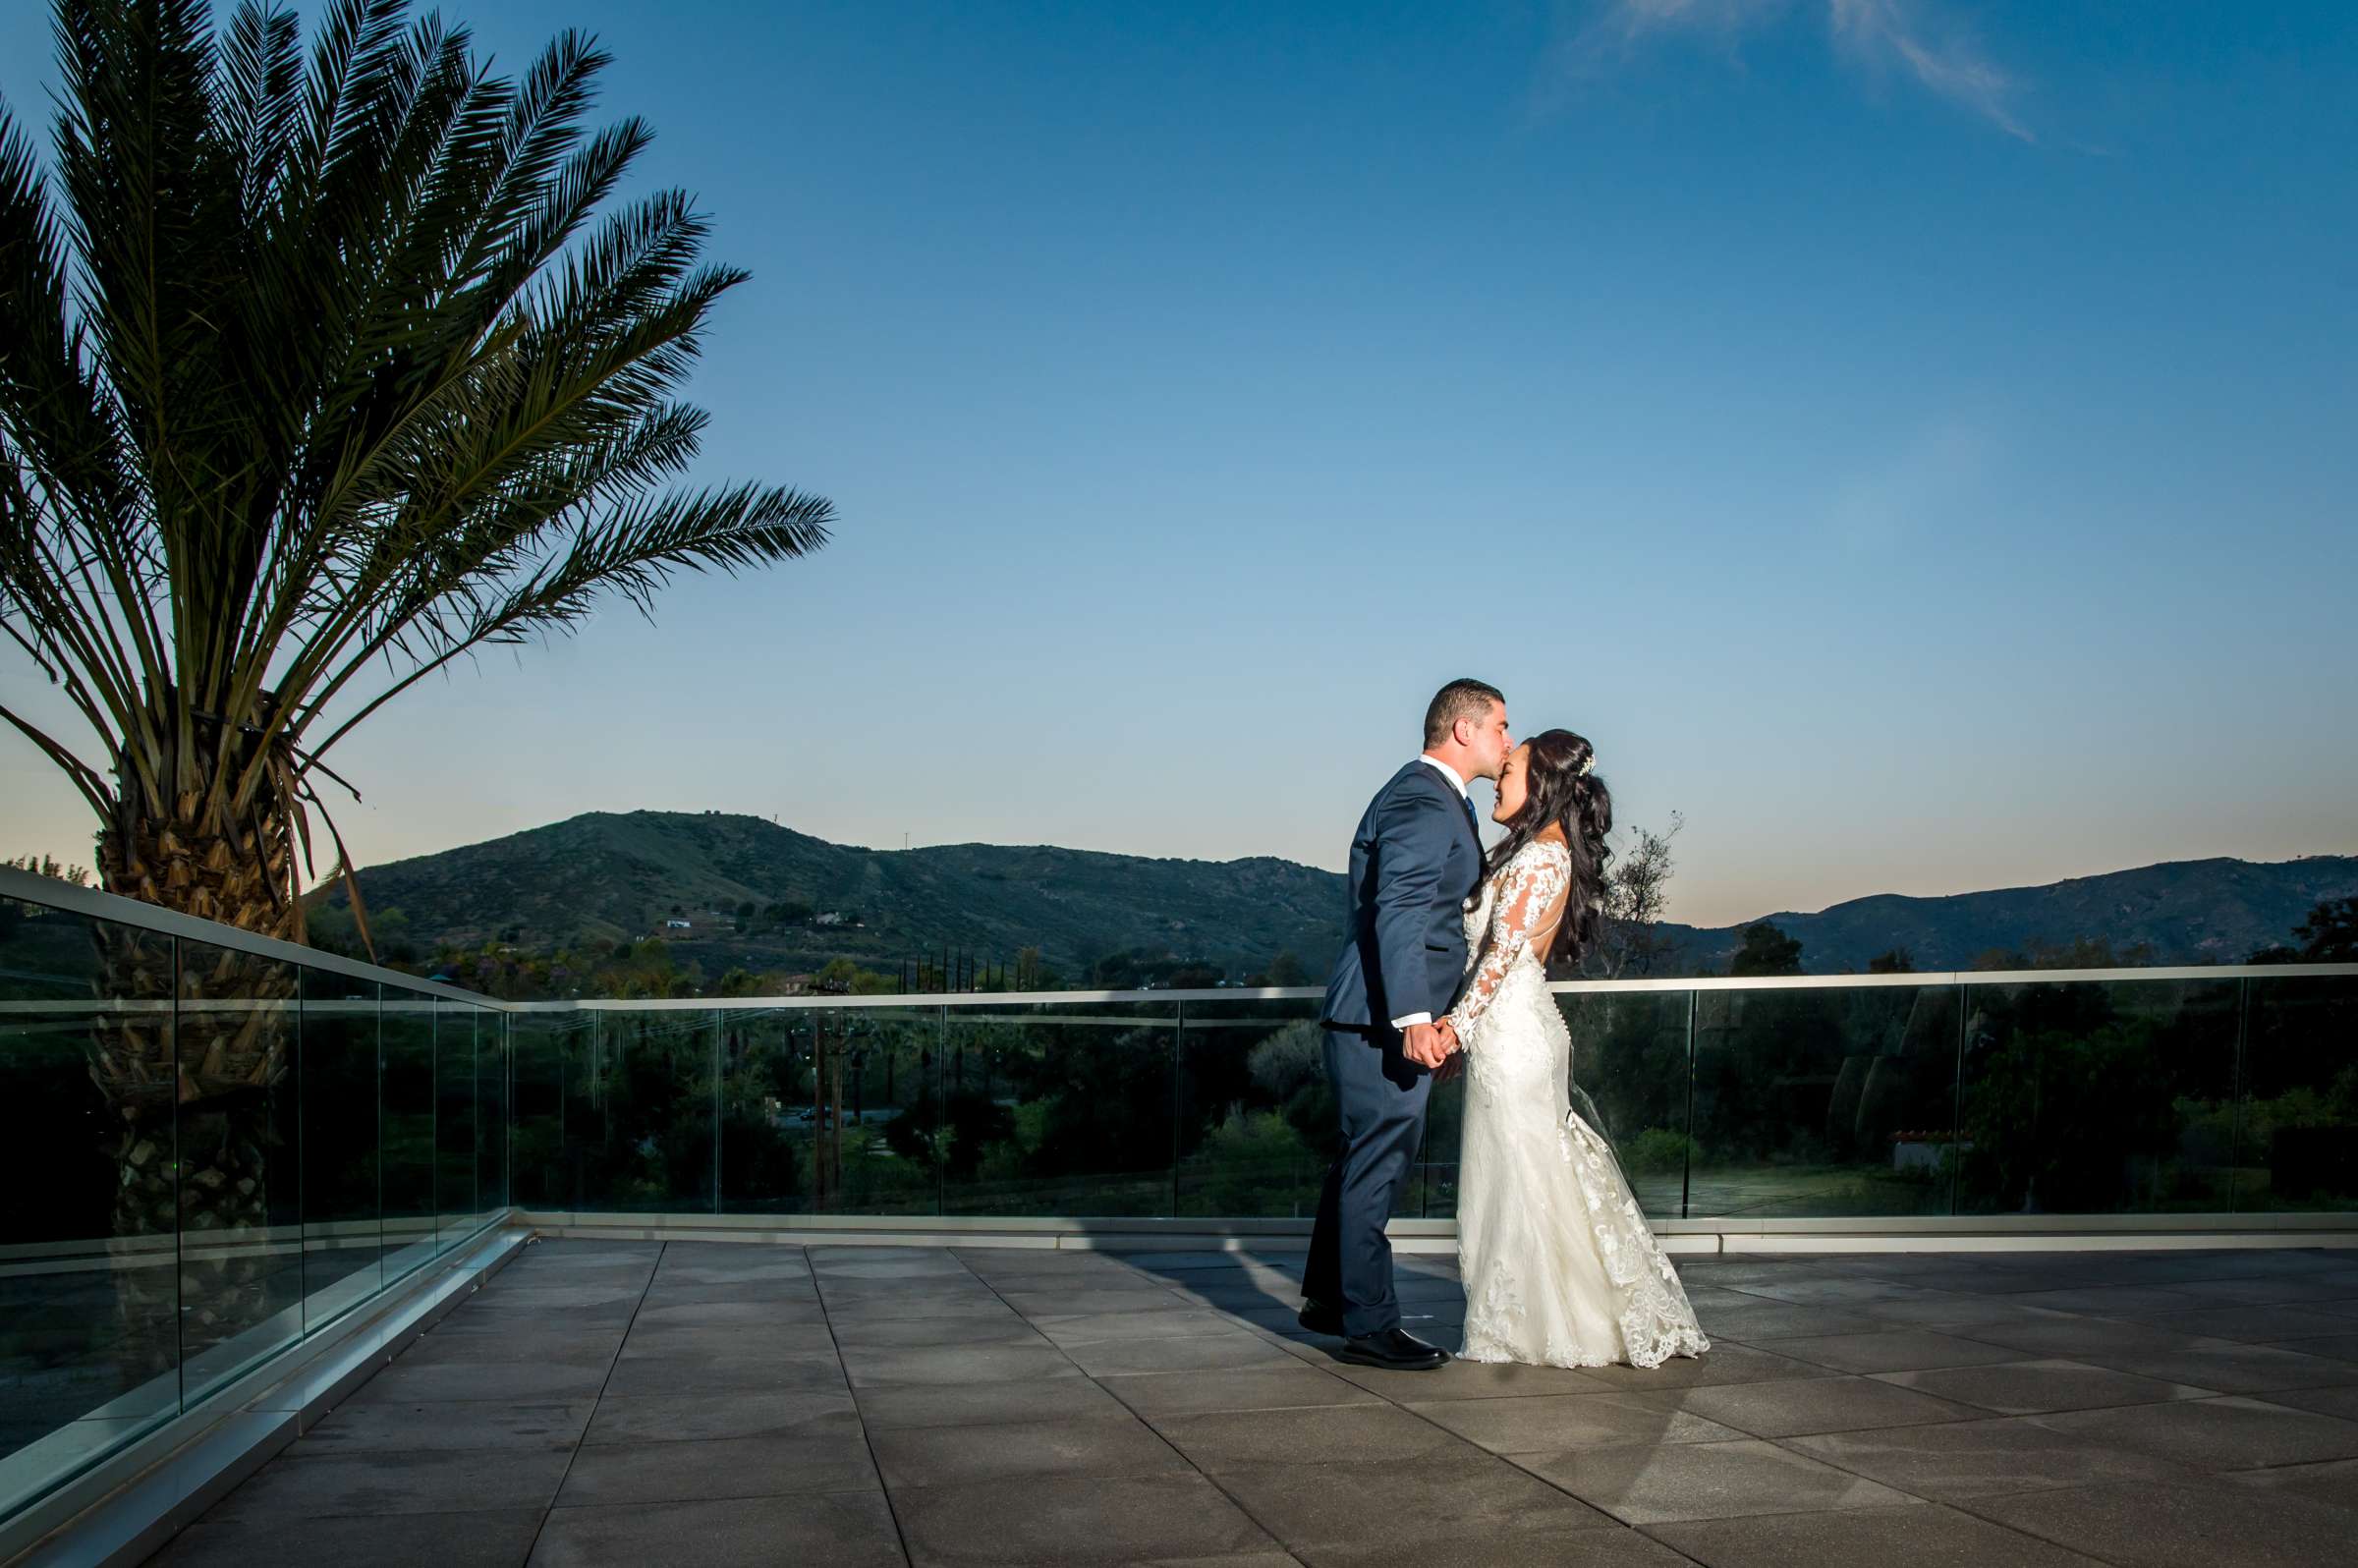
(1447, 773)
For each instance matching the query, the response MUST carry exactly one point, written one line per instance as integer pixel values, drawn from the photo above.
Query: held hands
(1453, 1054)
(1429, 1046)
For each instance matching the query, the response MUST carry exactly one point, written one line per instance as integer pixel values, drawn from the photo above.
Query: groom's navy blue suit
(1414, 860)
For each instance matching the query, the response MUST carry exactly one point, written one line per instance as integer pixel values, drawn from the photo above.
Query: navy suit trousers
(1381, 1097)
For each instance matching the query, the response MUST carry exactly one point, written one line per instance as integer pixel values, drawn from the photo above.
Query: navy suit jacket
(1414, 860)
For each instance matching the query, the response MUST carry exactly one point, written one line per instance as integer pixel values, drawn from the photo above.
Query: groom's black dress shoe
(1319, 1317)
(1393, 1350)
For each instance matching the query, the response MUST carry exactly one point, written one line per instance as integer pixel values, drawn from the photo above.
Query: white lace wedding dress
(1559, 1266)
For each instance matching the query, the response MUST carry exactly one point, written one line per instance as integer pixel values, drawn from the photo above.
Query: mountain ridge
(603, 877)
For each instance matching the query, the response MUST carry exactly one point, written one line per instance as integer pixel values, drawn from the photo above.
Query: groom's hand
(1421, 1044)
(1453, 1053)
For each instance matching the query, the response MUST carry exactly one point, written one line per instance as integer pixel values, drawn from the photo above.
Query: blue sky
(1910, 437)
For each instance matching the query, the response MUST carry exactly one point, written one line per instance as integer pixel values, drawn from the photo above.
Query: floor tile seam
(1124, 1472)
(1087, 1418)
(1830, 1431)
(2285, 1464)
(1964, 1505)
(1792, 1438)
(1468, 1442)
(2279, 1341)
(1192, 1467)
(1913, 1503)
(867, 1440)
(209, 1524)
(751, 1437)
(1605, 1521)
(2303, 1410)
(440, 1511)
(2074, 1409)
(2339, 1381)
(574, 1453)
(733, 1496)
(2042, 1418)
(1785, 1446)
(1847, 1371)
(1931, 1502)
(1209, 1479)
(1513, 1454)
(1239, 1410)
(1766, 1300)
(290, 1457)
(2146, 1321)
(1449, 1438)
(1769, 1347)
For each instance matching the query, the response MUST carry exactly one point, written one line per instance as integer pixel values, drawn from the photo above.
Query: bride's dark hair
(1560, 788)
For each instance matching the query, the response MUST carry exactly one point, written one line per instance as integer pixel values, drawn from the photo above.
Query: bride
(1559, 1267)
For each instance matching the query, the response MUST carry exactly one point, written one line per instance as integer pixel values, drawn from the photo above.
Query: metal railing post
(1686, 1151)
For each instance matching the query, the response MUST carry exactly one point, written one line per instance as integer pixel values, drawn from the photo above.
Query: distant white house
(678, 924)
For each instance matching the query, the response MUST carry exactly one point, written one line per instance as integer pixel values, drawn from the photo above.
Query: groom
(1414, 860)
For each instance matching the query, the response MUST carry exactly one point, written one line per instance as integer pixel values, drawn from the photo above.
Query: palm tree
(316, 374)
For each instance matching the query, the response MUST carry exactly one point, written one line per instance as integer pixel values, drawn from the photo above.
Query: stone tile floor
(719, 1402)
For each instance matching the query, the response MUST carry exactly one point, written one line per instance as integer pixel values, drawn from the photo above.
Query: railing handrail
(30, 887)
(33, 888)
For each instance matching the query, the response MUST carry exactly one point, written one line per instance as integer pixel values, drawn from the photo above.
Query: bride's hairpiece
(1588, 766)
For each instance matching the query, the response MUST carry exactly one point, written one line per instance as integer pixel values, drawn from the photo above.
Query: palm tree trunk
(197, 1093)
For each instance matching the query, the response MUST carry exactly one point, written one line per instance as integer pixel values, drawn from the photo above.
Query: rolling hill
(2190, 912)
(603, 875)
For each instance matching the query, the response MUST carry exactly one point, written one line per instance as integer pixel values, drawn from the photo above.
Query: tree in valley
(1636, 895)
(49, 866)
(1767, 950)
(2326, 934)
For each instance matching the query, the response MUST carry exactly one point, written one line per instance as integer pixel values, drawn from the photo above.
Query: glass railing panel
(1628, 1080)
(492, 1123)
(241, 1173)
(638, 1112)
(1257, 1114)
(407, 1149)
(343, 1229)
(2099, 1098)
(1834, 1101)
(90, 1202)
(454, 1122)
(546, 1049)
(1061, 1108)
(2297, 1149)
(1431, 1191)
(831, 1110)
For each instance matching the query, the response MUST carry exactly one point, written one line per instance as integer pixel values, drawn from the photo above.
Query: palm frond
(634, 553)
(260, 96)
(320, 362)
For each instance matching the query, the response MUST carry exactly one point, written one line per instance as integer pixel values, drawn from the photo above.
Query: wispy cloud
(1908, 37)
(1897, 494)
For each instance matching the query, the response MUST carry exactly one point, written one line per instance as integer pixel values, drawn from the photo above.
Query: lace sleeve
(1530, 898)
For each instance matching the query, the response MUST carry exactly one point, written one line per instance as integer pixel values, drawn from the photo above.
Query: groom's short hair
(1466, 700)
